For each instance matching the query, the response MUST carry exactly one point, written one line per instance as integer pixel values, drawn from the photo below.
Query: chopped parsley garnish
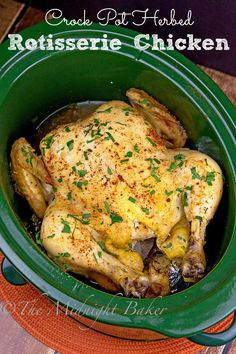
(132, 200)
(107, 207)
(157, 161)
(109, 137)
(86, 216)
(23, 150)
(126, 110)
(86, 155)
(168, 193)
(121, 123)
(102, 245)
(136, 148)
(152, 192)
(82, 173)
(37, 239)
(66, 229)
(130, 245)
(146, 211)
(129, 154)
(188, 188)
(181, 238)
(185, 199)
(79, 184)
(54, 189)
(51, 236)
(60, 179)
(178, 162)
(153, 166)
(179, 189)
(99, 254)
(144, 102)
(108, 110)
(151, 141)
(48, 141)
(109, 171)
(125, 160)
(65, 254)
(69, 196)
(95, 138)
(198, 217)
(28, 153)
(157, 179)
(168, 245)
(209, 178)
(67, 129)
(85, 222)
(94, 256)
(70, 144)
(115, 218)
(195, 175)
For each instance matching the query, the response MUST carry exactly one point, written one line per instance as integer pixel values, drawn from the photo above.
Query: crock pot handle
(216, 339)
(11, 274)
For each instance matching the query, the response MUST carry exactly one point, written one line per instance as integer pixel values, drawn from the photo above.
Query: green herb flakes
(168, 193)
(94, 256)
(129, 154)
(195, 175)
(210, 177)
(178, 162)
(48, 141)
(82, 173)
(70, 144)
(151, 141)
(115, 218)
(146, 211)
(144, 102)
(37, 239)
(86, 216)
(108, 110)
(132, 200)
(109, 137)
(84, 222)
(66, 229)
(185, 199)
(168, 245)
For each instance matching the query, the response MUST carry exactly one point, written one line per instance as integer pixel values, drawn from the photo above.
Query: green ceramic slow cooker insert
(36, 83)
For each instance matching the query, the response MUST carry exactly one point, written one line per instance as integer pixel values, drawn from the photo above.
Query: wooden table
(14, 17)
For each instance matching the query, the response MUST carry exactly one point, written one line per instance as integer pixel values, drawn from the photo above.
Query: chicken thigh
(119, 176)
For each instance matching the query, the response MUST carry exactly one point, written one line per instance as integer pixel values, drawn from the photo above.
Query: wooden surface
(9, 12)
(14, 17)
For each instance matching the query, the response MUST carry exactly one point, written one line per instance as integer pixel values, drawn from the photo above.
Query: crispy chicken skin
(119, 176)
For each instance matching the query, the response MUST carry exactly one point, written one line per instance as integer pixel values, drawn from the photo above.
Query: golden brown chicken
(121, 175)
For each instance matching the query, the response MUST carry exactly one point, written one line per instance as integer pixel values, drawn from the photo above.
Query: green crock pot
(36, 83)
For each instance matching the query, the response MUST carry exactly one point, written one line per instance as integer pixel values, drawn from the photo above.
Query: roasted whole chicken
(120, 176)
